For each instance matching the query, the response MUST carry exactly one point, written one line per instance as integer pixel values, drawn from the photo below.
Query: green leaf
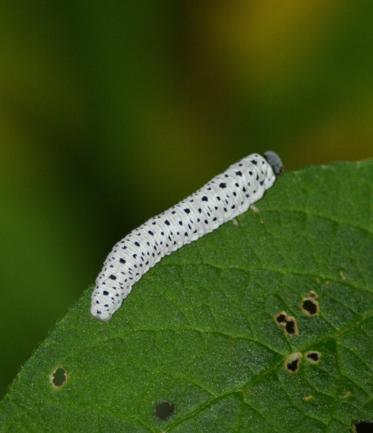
(200, 333)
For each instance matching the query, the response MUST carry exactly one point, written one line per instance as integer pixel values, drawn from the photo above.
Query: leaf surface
(199, 330)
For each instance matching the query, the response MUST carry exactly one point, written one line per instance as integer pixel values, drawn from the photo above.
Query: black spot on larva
(222, 185)
(292, 362)
(59, 377)
(137, 244)
(105, 292)
(313, 356)
(122, 260)
(151, 233)
(187, 210)
(239, 173)
(164, 410)
(310, 306)
(113, 277)
(363, 427)
(204, 198)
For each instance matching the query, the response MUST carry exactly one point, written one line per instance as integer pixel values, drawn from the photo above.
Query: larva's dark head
(274, 161)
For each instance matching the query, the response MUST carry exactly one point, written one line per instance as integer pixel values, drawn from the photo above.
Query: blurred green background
(112, 111)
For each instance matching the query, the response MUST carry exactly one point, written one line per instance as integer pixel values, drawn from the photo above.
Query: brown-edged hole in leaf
(288, 323)
(59, 377)
(281, 318)
(291, 326)
(313, 356)
(164, 410)
(310, 306)
(363, 427)
(292, 362)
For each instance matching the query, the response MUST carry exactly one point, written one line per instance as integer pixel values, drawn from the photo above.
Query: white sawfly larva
(220, 200)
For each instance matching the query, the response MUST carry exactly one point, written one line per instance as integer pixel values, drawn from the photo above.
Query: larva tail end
(274, 161)
(104, 316)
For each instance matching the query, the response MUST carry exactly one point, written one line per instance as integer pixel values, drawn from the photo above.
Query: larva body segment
(221, 199)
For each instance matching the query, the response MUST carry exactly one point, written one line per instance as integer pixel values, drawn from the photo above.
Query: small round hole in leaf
(291, 326)
(310, 306)
(59, 377)
(292, 365)
(363, 427)
(164, 410)
(313, 356)
(292, 362)
(281, 318)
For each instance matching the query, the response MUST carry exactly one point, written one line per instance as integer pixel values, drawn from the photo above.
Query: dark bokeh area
(112, 111)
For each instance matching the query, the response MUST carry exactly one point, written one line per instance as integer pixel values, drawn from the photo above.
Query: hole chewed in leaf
(291, 326)
(292, 362)
(363, 427)
(310, 305)
(59, 377)
(288, 323)
(164, 409)
(281, 317)
(313, 356)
